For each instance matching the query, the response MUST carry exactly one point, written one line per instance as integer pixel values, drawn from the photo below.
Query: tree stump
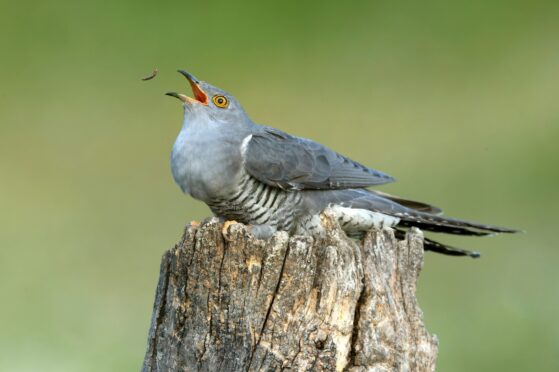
(298, 303)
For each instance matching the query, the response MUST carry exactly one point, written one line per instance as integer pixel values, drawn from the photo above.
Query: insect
(153, 74)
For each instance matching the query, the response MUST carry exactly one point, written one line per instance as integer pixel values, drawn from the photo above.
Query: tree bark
(297, 303)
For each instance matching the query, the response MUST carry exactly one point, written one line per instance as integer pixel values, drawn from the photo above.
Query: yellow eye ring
(220, 101)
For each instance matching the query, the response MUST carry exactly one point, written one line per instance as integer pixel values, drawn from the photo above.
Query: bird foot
(225, 229)
(194, 223)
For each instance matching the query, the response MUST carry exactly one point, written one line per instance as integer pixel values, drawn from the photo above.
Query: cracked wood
(300, 303)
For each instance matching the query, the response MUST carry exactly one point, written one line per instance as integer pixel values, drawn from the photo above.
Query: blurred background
(458, 101)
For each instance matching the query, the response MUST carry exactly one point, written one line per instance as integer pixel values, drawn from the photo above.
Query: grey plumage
(281, 160)
(262, 176)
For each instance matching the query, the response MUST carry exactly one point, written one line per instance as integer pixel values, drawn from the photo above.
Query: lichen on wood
(298, 303)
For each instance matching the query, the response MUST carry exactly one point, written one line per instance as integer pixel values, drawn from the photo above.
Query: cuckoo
(271, 180)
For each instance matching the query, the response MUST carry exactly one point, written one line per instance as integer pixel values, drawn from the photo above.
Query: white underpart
(244, 145)
(353, 219)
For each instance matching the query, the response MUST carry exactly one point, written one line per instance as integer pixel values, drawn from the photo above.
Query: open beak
(199, 95)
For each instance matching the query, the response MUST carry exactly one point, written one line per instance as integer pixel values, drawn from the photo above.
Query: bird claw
(225, 229)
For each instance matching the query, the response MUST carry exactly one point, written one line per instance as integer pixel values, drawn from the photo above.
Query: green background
(457, 100)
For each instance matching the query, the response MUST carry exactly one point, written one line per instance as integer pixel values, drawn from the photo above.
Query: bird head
(209, 103)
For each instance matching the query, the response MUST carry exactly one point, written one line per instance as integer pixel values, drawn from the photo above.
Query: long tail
(420, 215)
(447, 225)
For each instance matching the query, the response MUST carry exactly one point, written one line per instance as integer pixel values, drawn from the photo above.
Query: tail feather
(431, 245)
(412, 213)
(448, 225)
(440, 228)
(412, 204)
(434, 246)
(416, 214)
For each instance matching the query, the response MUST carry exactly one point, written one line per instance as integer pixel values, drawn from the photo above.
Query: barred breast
(256, 203)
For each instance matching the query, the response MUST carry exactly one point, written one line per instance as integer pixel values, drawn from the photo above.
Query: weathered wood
(299, 303)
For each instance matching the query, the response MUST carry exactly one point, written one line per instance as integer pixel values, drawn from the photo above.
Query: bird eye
(220, 101)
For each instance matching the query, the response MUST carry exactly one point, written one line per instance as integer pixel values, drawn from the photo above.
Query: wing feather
(292, 163)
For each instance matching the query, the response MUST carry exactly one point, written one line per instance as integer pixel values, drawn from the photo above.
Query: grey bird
(270, 180)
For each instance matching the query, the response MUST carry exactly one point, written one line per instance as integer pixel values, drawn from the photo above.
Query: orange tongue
(198, 93)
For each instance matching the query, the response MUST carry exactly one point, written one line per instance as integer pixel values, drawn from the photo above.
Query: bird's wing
(291, 163)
